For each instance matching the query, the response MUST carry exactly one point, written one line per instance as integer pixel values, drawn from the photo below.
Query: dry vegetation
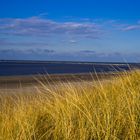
(103, 111)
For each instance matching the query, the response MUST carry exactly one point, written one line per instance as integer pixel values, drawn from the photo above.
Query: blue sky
(77, 30)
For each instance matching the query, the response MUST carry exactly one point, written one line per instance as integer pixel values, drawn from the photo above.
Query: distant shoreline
(75, 62)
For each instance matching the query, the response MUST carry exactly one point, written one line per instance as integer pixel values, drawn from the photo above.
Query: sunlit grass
(102, 110)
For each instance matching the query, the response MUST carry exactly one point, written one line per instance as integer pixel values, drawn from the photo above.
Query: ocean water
(14, 68)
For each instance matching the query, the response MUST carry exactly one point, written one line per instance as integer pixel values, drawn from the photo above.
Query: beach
(31, 84)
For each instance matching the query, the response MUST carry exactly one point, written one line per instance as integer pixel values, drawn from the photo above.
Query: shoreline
(14, 82)
(32, 84)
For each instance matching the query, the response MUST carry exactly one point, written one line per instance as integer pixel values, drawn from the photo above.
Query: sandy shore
(31, 84)
(12, 81)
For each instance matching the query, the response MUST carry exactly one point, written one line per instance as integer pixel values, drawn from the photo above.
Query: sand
(31, 83)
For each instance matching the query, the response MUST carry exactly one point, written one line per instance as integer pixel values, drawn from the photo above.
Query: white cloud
(131, 27)
(73, 41)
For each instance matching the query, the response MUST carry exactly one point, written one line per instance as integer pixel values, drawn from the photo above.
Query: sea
(22, 68)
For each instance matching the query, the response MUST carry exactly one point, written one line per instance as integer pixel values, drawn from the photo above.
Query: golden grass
(103, 111)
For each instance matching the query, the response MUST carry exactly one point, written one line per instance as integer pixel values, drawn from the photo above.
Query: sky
(70, 30)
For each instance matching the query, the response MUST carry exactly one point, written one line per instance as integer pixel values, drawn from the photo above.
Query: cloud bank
(81, 55)
(37, 26)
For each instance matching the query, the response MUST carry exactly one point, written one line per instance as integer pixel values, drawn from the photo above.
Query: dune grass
(99, 111)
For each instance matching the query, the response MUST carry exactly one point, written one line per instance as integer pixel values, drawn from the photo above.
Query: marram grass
(102, 111)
